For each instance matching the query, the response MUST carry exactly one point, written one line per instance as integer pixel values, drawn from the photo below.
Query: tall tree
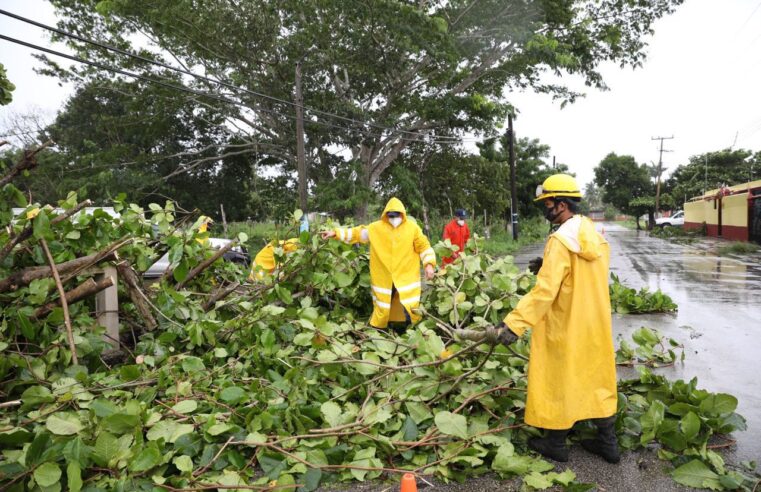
(397, 73)
(622, 181)
(711, 170)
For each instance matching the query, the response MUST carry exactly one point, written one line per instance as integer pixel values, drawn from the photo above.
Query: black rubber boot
(605, 444)
(551, 446)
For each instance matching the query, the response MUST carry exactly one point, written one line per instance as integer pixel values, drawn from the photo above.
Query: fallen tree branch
(27, 161)
(206, 263)
(132, 283)
(82, 291)
(220, 294)
(24, 277)
(27, 232)
(62, 300)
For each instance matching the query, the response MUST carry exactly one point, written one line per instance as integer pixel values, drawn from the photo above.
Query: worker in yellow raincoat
(397, 248)
(571, 371)
(264, 261)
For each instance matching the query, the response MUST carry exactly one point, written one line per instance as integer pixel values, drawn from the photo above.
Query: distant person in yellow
(571, 371)
(264, 261)
(397, 248)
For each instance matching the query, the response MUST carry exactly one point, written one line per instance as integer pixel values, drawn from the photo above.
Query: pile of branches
(276, 384)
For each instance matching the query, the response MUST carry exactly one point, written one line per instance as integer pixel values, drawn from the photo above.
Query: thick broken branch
(220, 294)
(86, 289)
(206, 263)
(132, 283)
(24, 277)
(27, 232)
(27, 161)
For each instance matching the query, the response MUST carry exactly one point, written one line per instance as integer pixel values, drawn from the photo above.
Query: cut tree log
(206, 263)
(27, 232)
(27, 161)
(24, 277)
(136, 294)
(84, 290)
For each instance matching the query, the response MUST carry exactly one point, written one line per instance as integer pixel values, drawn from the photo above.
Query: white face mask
(395, 221)
(461, 222)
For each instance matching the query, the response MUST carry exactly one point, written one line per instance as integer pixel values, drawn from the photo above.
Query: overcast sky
(701, 83)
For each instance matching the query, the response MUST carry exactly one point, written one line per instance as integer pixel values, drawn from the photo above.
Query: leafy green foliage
(711, 170)
(6, 87)
(285, 374)
(651, 349)
(625, 300)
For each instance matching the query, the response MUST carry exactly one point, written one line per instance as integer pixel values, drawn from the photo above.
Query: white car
(675, 220)
(237, 254)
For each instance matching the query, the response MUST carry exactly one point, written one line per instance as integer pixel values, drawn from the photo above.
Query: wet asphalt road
(719, 323)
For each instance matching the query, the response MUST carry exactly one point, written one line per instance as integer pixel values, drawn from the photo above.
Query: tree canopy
(379, 77)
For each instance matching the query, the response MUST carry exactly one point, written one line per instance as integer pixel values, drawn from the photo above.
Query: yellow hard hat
(558, 185)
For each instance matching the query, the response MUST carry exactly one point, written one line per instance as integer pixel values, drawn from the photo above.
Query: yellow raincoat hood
(394, 205)
(572, 369)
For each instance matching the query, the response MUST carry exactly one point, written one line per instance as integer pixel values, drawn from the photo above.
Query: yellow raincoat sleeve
(423, 248)
(534, 305)
(353, 235)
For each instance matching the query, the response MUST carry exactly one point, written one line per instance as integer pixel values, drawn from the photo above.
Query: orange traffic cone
(408, 483)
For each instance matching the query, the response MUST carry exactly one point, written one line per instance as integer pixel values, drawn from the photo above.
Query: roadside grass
(628, 223)
(501, 243)
(738, 248)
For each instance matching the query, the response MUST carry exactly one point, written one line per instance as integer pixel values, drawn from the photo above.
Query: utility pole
(300, 157)
(513, 185)
(660, 170)
(554, 166)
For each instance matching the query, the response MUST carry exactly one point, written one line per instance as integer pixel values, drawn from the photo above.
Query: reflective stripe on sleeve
(428, 252)
(381, 304)
(411, 300)
(364, 236)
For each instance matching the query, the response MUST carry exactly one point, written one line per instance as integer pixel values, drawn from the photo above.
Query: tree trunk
(650, 219)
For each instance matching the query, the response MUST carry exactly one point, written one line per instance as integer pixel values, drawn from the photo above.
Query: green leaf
(452, 424)
(232, 395)
(311, 480)
(183, 463)
(185, 406)
(218, 429)
(129, 373)
(64, 424)
(41, 226)
(146, 459)
(106, 447)
(47, 474)
(74, 476)
(192, 364)
(15, 436)
(331, 412)
(36, 395)
(690, 425)
(120, 423)
(169, 430)
(696, 474)
(718, 404)
(537, 481)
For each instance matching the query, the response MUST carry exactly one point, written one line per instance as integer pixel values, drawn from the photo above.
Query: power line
(216, 81)
(162, 82)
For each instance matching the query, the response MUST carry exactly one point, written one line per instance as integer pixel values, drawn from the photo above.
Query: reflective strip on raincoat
(572, 371)
(395, 258)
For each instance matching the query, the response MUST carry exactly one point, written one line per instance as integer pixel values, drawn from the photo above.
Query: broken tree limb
(132, 283)
(27, 161)
(86, 289)
(206, 263)
(24, 277)
(220, 294)
(107, 253)
(27, 232)
(62, 300)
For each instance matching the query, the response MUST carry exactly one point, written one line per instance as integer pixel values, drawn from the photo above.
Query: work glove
(535, 264)
(500, 334)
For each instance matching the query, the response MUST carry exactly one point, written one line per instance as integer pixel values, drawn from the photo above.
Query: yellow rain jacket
(395, 257)
(264, 261)
(571, 371)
